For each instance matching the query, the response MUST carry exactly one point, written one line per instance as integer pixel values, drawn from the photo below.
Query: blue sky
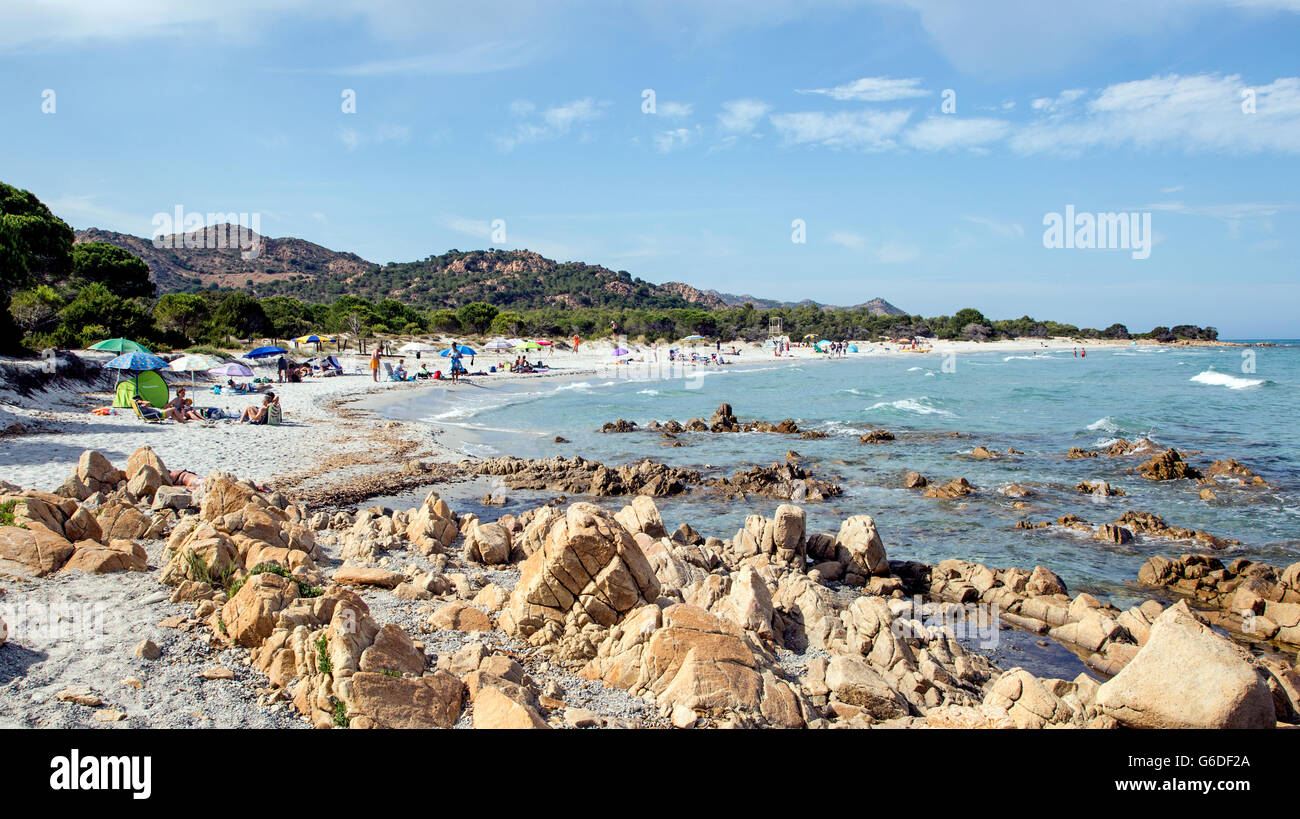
(766, 112)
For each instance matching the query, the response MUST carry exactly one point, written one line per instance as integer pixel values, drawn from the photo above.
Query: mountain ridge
(216, 257)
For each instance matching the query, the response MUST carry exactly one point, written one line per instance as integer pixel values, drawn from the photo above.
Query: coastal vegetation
(57, 293)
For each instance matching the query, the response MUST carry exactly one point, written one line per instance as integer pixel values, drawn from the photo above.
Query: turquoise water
(1195, 399)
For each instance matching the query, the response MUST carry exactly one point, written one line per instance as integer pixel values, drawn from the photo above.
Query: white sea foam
(647, 392)
(1232, 382)
(1106, 424)
(913, 369)
(915, 406)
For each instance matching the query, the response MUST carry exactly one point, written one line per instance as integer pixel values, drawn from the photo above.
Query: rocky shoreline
(576, 616)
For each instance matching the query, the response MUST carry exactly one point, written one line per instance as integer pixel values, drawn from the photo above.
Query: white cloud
(353, 138)
(480, 58)
(674, 110)
(877, 252)
(862, 130)
(742, 116)
(1197, 113)
(667, 141)
(1011, 230)
(945, 131)
(1233, 211)
(873, 89)
(1052, 105)
(554, 122)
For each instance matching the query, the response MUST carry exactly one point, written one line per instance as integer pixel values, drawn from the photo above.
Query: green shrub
(323, 664)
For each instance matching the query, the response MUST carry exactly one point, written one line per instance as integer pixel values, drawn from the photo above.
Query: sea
(1207, 402)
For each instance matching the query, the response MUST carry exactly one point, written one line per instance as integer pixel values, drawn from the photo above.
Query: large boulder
(93, 557)
(249, 617)
(488, 543)
(432, 701)
(589, 570)
(1026, 700)
(642, 516)
(1187, 676)
(97, 473)
(686, 658)
(35, 548)
(853, 681)
(432, 527)
(146, 457)
(866, 551)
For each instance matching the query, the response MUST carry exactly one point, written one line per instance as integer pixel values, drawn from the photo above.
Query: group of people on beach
(182, 410)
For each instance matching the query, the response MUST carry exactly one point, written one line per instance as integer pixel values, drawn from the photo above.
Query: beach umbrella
(693, 338)
(119, 345)
(135, 361)
(265, 352)
(194, 363)
(416, 347)
(542, 342)
(498, 345)
(619, 351)
(231, 369)
(530, 345)
(312, 339)
(461, 348)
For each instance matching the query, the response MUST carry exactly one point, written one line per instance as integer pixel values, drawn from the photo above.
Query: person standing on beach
(576, 341)
(374, 364)
(455, 362)
(282, 367)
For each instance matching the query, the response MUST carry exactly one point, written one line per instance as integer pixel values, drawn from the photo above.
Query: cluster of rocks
(703, 628)
(1098, 487)
(94, 521)
(1117, 448)
(1133, 522)
(876, 436)
(1260, 600)
(788, 480)
(955, 488)
(578, 476)
(723, 420)
(783, 481)
(1169, 465)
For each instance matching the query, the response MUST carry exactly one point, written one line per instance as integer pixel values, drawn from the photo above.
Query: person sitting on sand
(256, 414)
(184, 406)
(150, 412)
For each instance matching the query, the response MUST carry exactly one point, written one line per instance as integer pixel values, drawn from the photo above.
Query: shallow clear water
(1195, 399)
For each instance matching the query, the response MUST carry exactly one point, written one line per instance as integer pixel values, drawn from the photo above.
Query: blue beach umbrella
(265, 352)
(135, 361)
(461, 348)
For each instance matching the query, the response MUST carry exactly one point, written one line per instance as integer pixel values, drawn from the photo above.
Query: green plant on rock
(340, 714)
(323, 664)
(7, 514)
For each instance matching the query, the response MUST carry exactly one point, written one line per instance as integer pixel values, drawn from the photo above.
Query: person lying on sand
(244, 387)
(256, 414)
(185, 478)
